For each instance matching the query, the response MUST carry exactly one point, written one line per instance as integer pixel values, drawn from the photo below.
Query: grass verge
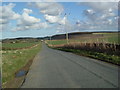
(14, 60)
(100, 56)
(20, 45)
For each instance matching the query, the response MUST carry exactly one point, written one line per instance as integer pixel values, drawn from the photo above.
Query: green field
(13, 60)
(95, 37)
(18, 45)
(57, 42)
(110, 37)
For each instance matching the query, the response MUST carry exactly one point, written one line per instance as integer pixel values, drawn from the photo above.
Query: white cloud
(99, 16)
(52, 11)
(27, 11)
(50, 8)
(89, 11)
(27, 22)
(3, 21)
(7, 14)
(99, 0)
(36, 26)
(101, 6)
(56, 19)
(25, 19)
(52, 19)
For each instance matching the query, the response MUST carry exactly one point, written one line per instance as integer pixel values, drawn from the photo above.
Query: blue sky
(23, 19)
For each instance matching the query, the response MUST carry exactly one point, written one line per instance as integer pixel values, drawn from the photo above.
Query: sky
(40, 19)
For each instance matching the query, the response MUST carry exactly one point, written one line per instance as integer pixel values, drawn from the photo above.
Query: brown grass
(111, 49)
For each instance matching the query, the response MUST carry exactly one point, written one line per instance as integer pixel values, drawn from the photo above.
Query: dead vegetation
(111, 49)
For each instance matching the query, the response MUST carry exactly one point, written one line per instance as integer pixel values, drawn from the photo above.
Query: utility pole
(50, 40)
(67, 36)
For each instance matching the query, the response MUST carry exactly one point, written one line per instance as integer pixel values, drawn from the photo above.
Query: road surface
(57, 69)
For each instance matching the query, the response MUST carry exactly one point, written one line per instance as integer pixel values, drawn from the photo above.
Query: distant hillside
(76, 34)
(59, 36)
(21, 39)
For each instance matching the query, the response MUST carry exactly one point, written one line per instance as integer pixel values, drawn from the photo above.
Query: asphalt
(57, 69)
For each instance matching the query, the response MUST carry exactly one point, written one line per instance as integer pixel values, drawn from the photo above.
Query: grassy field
(13, 60)
(110, 37)
(95, 37)
(18, 45)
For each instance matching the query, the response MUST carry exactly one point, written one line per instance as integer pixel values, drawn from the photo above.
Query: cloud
(7, 14)
(49, 8)
(36, 26)
(27, 22)
(23, 22)
(52, 19)
(99, 0)
(3, 21)
(90, 14)
(101, 6)
(52, 11)
(56, 19)
(99, 16)
(119, 5)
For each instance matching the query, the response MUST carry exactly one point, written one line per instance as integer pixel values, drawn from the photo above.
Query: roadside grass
(13, 60)
(18, 45)
(114, 59)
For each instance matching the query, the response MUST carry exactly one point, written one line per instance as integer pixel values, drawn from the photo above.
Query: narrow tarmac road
(57, 69)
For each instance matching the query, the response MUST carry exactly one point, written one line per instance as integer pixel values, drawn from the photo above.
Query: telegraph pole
(67, 36)
(50, 40)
